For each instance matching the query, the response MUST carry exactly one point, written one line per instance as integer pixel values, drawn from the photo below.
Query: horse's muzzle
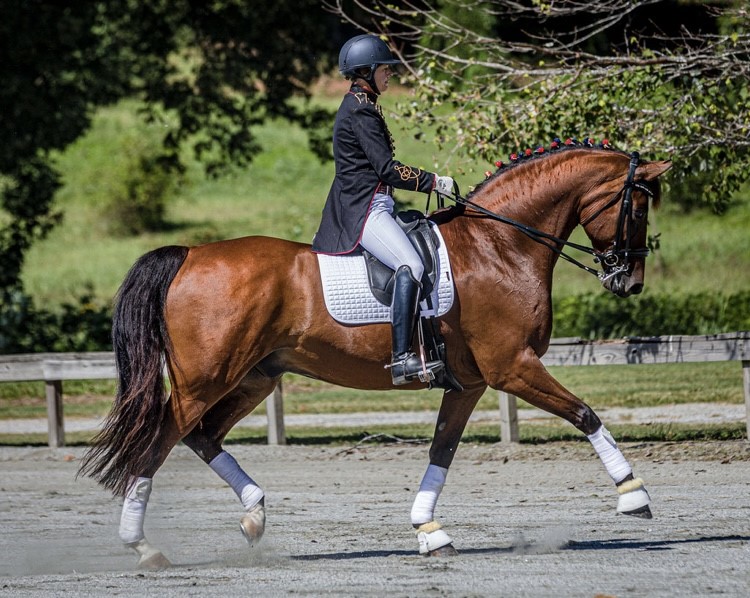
(624, 285)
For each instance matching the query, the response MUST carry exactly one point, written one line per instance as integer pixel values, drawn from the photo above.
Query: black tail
(128, 442)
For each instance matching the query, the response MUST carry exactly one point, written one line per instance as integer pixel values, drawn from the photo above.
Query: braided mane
(556, 146)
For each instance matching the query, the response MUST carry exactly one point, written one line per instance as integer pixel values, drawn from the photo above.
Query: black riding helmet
(364, 52)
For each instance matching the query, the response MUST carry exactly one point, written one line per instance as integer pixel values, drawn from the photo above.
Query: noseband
(614, 260)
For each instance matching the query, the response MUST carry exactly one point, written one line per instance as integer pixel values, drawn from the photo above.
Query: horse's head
(615, 216)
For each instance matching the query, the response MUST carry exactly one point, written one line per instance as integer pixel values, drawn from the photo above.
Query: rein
(614, 260)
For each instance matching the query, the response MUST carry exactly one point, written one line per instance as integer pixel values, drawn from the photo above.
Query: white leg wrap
(633, 496)
(134, 510)
(423, 509)
(606, 447)
(227, 468)
(431, 537)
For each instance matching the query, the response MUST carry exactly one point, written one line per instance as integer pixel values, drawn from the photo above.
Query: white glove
(444, 185)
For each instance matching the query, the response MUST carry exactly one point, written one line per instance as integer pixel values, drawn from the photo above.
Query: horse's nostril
(636, 289)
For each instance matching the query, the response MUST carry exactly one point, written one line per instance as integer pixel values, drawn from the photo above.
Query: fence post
(746, 385)
(55, 427)
(508, 417)
(275, 413)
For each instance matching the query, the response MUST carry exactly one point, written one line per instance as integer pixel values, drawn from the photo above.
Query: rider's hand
(444, 185)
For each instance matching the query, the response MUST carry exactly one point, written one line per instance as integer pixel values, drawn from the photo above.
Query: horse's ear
(650, 171)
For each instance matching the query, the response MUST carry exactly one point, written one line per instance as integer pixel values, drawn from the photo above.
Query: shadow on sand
(531, 548)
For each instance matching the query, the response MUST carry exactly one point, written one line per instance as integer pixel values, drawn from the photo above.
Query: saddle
(357, 289)
(424, 241)
(382, 279)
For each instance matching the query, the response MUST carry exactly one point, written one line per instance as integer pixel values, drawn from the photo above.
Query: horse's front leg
(531, 382)
(454, 413)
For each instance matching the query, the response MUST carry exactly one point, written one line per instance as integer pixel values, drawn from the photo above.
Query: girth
(417, 229)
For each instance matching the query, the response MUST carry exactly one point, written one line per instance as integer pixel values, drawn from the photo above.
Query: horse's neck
(538, 198)
(544, 196)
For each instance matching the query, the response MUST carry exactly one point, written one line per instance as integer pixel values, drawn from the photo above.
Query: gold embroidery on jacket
(388, 135)
(407, 173)
(363, 98)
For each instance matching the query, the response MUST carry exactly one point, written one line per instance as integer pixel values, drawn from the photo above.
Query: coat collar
(356, 88)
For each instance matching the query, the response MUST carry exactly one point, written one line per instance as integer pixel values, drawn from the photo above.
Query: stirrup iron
(408, 367)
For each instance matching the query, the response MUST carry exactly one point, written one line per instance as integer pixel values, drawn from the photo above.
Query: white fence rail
(54, 368)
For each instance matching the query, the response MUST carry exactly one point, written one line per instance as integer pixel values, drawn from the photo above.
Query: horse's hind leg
(206, 441)
(134, 506)
(131, 525)
(534, 384)
(209, 430)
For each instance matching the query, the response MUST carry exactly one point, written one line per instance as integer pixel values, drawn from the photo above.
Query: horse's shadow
(630, 544)
(532, 548)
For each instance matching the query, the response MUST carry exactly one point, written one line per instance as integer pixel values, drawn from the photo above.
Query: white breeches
(385, 239)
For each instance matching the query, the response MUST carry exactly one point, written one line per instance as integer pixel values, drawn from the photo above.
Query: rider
(359, 208)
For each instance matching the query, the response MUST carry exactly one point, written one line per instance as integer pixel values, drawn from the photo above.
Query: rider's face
(382, 74)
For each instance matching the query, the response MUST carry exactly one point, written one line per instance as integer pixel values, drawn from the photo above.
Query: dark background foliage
(217, 67)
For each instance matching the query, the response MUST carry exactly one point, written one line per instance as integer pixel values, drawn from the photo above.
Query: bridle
(617, 259)
(614, 260)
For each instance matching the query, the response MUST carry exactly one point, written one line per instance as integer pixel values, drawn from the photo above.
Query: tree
(658, 76)
(210, 70)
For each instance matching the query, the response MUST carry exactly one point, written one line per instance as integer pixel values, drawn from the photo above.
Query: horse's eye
(639, 213)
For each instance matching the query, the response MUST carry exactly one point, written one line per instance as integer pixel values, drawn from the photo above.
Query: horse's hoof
(154, 562)
(443, 551)
(643, 512)
(253, 524)
(432, 540)
(149, 558)
(634, 500)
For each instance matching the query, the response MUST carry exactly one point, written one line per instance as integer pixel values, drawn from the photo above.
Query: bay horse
(228, 318)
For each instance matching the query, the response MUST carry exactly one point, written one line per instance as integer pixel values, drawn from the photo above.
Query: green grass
(488, 434)
(422, 434)
(699, 252)
(281, 194)
(599, 386)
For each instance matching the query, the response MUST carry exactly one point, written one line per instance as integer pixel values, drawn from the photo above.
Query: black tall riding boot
(405, 365)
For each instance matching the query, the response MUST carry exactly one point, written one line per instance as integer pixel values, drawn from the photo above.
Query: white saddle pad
(348, 296)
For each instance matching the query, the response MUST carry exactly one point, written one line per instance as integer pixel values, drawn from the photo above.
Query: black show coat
(363, 156)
